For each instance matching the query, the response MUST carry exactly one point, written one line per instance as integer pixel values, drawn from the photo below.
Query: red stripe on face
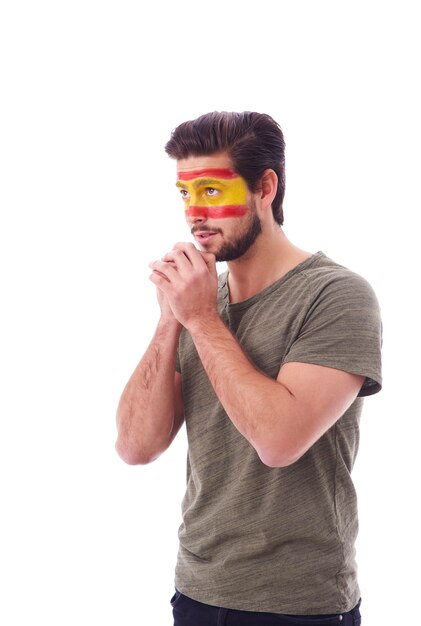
(216, 172)
(230, 210)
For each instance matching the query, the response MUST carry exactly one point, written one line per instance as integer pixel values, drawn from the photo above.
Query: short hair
(254, 142)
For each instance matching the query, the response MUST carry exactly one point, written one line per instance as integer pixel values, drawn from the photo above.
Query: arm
(150, 411)
(281, 418)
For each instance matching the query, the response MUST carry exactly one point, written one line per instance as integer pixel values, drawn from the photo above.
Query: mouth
(204, 237)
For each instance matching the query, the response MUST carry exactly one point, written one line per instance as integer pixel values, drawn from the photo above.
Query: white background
(90, 92)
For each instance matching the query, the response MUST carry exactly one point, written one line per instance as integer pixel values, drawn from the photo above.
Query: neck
(270, 257)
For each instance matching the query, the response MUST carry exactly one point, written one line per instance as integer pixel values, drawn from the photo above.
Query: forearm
(259, 407)
(147, 408)
(280, 418)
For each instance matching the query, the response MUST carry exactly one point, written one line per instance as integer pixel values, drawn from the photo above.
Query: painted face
(213, 193)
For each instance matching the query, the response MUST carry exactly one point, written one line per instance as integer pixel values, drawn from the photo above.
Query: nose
(196, 215)
(197, 211)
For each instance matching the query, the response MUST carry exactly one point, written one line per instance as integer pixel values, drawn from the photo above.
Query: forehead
(220, 161)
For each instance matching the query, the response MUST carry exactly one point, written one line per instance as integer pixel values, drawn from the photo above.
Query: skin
(213, 193)
(280, 418)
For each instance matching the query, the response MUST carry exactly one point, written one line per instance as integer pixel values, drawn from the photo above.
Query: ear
(268, 188)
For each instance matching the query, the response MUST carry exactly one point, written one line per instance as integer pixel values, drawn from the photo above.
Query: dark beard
(233, 251)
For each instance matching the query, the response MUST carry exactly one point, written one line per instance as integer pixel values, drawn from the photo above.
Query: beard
(231, 251)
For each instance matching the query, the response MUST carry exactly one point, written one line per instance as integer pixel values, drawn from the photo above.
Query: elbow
(133, 456)
(278, 457)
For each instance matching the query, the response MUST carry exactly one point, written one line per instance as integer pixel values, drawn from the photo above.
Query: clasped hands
(187, 282)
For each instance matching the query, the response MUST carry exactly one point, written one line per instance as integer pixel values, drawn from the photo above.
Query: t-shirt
(278, 540)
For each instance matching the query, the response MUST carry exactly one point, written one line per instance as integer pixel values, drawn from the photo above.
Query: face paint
(213, 193)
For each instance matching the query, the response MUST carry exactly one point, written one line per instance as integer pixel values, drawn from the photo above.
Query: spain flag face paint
(213, 193)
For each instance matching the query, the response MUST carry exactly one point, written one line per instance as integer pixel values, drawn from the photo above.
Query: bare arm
(150, 411)
(281, 418)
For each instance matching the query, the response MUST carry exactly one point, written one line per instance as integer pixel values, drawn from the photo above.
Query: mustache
(201, 229)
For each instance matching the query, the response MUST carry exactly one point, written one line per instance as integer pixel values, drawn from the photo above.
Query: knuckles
(184, 245)
(175, 254)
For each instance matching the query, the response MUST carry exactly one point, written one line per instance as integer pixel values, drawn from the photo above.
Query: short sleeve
(342, 328)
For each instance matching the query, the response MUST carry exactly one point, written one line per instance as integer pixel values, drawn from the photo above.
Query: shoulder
(327, 279)
(341, 326)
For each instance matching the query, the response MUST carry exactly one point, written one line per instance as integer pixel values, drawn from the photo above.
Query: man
(267, 365)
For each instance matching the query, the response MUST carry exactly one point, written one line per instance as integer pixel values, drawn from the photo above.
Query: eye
(184, 194)
(212, 192)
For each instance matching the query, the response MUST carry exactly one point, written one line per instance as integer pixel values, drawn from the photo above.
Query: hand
(166, 311)
(189, 281)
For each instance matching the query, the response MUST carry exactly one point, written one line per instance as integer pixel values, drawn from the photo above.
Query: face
(219, 207)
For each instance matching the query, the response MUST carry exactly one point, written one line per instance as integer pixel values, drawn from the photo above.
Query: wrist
(204, 323)
(169, 324)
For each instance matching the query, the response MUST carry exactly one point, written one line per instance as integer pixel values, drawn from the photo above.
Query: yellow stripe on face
(222, 197)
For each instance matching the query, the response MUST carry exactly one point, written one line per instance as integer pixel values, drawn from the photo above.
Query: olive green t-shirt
(278, 540)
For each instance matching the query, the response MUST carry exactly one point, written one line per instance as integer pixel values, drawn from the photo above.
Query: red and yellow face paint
(213, 193)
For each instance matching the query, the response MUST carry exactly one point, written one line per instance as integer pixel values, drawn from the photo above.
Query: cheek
(217, 212)
(236, 193)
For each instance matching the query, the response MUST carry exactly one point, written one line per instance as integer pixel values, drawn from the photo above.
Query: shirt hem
(223, 602)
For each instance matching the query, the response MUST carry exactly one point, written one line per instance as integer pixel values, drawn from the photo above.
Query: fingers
(180, 261)
(171, 267)
(195, 256)
(160, 281)
(187, 279)
(210, 261)
(163, 270)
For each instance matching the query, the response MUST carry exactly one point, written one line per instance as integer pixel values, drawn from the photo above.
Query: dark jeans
(188, 612)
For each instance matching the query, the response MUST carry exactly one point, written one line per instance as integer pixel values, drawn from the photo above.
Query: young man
(267, 365)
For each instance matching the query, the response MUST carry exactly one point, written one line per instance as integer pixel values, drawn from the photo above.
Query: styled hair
(253, 141)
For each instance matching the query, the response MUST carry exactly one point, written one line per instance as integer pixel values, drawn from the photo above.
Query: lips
(204, 236)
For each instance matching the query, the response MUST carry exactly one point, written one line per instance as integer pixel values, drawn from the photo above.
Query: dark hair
(254, 142)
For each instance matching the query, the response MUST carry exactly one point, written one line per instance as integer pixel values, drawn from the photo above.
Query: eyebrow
(199, 182)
